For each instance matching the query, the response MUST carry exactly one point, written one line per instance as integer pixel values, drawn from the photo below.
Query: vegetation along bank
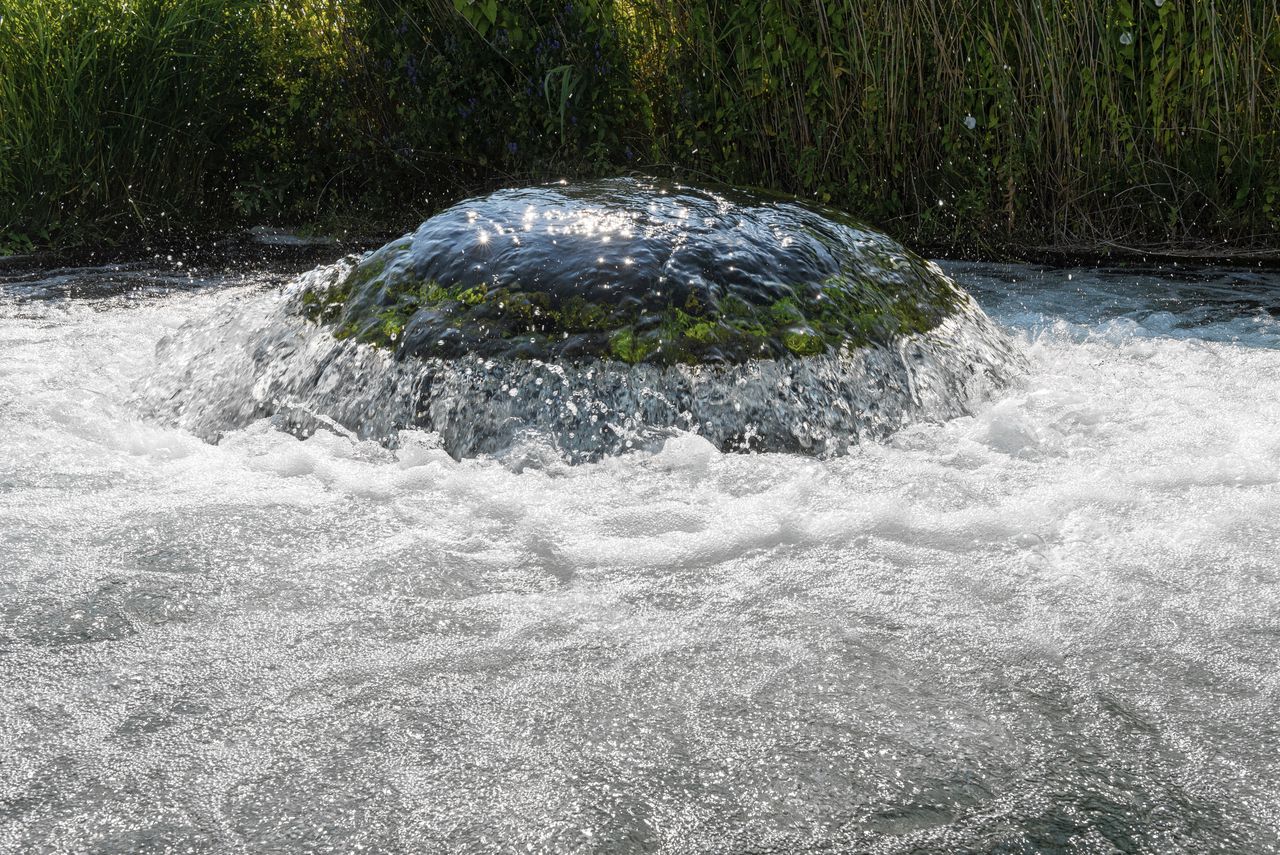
(956, 125)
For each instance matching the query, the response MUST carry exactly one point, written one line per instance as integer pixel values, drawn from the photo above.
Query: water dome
(603, 316)
(636, 271)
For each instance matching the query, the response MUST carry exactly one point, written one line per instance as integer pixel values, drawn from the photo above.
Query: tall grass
(962, 123)
(112, 112)
(1067, 122)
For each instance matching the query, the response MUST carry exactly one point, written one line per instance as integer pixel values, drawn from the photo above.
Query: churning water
(229, 368)
(1049, 626)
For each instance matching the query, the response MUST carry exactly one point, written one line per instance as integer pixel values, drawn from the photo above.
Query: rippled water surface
(1052, 626)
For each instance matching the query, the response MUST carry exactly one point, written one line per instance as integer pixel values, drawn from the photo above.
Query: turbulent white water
(228, 368)
(1051, 626)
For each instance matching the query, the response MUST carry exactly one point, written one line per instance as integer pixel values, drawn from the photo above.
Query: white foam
(1056, 615)
(222, 371)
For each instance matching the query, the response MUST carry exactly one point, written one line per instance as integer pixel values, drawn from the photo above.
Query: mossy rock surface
(636, 270)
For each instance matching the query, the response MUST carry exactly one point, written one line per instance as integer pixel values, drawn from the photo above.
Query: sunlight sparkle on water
(1054, 619)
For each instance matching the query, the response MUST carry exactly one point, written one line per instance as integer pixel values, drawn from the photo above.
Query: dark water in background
(1051, 626)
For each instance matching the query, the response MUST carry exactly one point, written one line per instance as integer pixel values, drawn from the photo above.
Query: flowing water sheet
(1046, 624)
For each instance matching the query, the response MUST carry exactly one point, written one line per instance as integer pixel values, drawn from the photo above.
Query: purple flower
(511, 148)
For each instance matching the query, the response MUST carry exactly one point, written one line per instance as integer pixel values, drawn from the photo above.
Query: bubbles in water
(1048, 624)
(259, 360)
(759, 324)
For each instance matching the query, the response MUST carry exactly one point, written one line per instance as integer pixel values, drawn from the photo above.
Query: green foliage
(479, 92)
(986, 122)
(111, 113)
(965, 123)
(303, 126)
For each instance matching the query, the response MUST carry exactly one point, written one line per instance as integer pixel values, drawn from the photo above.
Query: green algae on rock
(635, 270)
(574, 322)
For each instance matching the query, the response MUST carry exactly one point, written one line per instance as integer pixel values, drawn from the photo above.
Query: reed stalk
(959, 124)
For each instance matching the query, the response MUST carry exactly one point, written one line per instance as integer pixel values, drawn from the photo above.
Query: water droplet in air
(970, 122)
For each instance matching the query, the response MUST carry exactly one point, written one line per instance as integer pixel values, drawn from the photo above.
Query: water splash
(1048, 626)
(259, 359)
(638, 270)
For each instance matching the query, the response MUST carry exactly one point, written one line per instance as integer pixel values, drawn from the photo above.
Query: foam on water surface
(598, 318)
(259, 358)
(1050, 625)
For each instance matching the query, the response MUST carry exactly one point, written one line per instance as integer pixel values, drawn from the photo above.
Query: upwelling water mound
(258, 359)
(599, 318)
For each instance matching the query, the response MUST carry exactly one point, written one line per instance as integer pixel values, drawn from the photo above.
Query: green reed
(1065, 122)
(963, 124)
(112, 112)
